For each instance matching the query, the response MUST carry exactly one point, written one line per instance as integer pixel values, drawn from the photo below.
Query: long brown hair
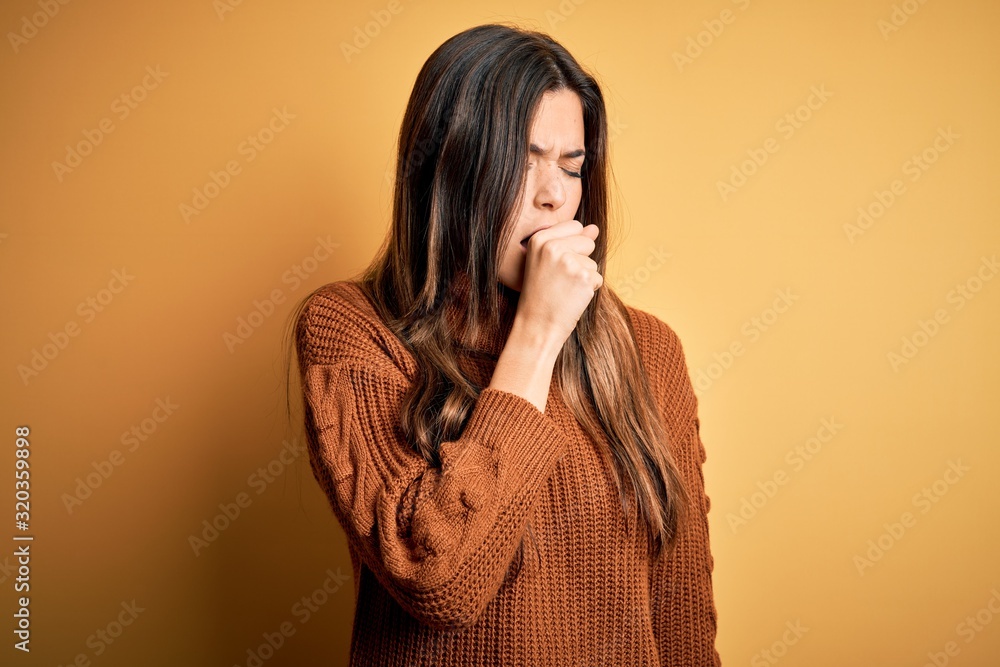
(460, 174)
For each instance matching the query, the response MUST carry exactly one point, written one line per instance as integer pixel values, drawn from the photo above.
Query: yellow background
(680, 127)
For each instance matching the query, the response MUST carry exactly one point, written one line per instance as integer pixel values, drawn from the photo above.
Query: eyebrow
(579, 152)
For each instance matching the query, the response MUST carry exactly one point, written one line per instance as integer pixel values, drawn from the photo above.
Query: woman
(495, 517)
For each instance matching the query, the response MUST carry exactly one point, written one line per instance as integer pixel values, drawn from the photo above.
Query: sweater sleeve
(683, 606)
(439, 540)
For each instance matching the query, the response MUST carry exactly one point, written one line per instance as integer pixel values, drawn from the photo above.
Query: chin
(515, 284)
(511, 286)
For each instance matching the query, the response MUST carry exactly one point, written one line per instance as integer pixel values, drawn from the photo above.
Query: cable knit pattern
(442, 575)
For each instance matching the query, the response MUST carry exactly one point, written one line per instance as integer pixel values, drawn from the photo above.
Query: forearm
(526, 363)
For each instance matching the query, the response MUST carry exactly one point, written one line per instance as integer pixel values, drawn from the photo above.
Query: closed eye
(574, 174)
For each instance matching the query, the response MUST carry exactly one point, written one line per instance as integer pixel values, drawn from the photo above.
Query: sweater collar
(493, 332)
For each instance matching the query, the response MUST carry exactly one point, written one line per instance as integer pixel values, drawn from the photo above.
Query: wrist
(538, 342)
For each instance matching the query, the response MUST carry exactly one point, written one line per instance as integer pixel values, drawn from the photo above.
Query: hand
(560, 279)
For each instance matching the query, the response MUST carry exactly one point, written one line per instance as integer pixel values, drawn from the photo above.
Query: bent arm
(440, 540)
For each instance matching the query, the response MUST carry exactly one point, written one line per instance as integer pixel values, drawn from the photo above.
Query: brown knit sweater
(441, 574)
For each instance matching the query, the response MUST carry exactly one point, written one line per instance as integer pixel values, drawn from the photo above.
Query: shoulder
(338, 324)
(333, 302)
(662, 355)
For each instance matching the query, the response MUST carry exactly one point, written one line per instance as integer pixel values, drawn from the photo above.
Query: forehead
(559, 119)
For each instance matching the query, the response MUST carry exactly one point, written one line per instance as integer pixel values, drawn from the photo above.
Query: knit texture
(442, 576)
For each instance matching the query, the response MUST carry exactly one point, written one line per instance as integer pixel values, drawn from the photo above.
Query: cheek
(577, 196)
(513, 255)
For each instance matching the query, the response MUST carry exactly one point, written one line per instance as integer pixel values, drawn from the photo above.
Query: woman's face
(553, 187)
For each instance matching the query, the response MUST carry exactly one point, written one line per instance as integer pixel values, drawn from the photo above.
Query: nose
(550, 192)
